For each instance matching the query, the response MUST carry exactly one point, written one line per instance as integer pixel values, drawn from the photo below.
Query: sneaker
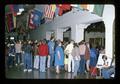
(29, 70)
(25, 70)
(21, 63)
(16, 64)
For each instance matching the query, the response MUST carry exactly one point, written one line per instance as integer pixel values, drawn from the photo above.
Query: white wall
(108, 18)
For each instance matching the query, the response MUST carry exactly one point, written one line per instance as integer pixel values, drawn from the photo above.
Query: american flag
(49, 11)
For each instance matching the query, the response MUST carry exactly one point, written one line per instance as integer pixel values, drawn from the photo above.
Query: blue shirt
(51, 46)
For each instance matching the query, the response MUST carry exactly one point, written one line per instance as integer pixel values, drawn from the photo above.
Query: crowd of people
(42, 55)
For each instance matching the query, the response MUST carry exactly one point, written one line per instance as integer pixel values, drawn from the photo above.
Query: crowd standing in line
(43, 55)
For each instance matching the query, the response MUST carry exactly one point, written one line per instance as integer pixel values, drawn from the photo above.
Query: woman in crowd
(66, 58)
(43, 53)
(93, 59)
(87, 56)
(68, 50)
(59, 57)
(76, 57)
(18, 49)
(82, 48)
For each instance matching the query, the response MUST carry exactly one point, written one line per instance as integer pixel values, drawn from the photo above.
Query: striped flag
(14, 21)
(14, 9)
(49, 11)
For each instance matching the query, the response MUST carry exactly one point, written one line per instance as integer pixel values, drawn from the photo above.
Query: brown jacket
(87, 53)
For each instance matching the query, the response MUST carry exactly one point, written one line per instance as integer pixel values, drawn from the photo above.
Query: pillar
(108, 18)
(59, 34)
(77, 33)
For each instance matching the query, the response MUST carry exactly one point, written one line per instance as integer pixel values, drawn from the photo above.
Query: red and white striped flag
(49, 12)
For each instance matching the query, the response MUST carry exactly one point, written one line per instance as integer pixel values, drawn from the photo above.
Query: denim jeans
(27, 61)
(10, 61)
(76, 67)
(82, 65)
(18, 58)
(106, 73)
(42, 63)
(51, 59)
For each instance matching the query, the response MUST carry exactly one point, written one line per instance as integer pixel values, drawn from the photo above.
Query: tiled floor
(17, 73)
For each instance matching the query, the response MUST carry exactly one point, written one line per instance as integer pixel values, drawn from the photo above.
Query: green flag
(98, 9)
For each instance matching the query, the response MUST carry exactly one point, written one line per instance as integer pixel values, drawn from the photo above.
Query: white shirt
(69, 48)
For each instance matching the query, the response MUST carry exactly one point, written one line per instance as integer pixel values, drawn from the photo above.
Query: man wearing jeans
(51, 45)
(27, 48)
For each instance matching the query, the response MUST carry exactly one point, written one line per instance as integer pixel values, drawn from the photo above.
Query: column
(108, 18)
(77, 33)
(59, 34)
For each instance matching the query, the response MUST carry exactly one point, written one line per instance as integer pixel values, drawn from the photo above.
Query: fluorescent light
(74, 5)
(21, 10)
(12, 38)
(18, 13)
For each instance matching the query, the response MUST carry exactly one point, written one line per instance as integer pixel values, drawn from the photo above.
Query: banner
(9, 21)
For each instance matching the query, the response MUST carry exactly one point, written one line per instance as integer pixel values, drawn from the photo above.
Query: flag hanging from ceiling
(14, 21)
(49, 11)
(56, 11)
(63, 8)
(14, 9)
(35, 19)
(31, 25)
(98, 9)
(84, 6)
(6, 25)
(9, 21)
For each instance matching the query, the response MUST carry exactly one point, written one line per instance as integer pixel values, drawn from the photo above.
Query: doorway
(95, 34)
(67, 34)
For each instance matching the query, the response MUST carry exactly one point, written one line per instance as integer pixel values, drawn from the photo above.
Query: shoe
(69, 71)
(25, 70)
(21, 63)
(29, 70)
(16, 64)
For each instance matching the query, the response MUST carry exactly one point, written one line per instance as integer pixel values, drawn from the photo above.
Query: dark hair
(51, 38)
(104, 56)
(75, 45)
(58, 41)
(81, 42)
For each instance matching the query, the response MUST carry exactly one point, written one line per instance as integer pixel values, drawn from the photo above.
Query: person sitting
(107, 71)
